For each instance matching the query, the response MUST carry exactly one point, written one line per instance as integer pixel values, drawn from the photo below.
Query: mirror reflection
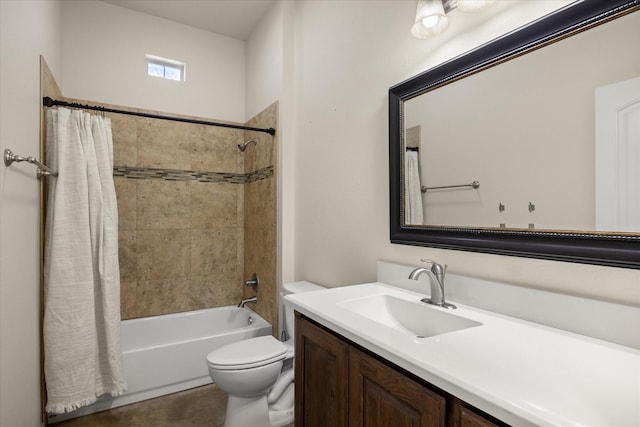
(549, 140)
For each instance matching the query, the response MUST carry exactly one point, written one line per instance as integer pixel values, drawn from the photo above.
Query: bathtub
(165, 354)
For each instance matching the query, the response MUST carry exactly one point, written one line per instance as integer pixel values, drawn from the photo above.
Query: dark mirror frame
(616, 250)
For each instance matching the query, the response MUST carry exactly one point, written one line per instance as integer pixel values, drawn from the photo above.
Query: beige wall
(341, 167)
(104, 60)
(264, 59)
(27, 30)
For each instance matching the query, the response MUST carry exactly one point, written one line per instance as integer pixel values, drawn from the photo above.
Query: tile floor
(198, 407)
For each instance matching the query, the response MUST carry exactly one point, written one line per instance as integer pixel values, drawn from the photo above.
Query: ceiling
(232, 18)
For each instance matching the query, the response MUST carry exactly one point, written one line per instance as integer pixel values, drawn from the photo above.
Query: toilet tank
(294, 288)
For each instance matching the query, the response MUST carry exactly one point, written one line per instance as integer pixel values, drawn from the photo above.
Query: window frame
(165, 63)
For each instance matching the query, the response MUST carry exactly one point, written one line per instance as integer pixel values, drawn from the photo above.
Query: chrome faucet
(253, 282)
(244, 301)
(436, 281)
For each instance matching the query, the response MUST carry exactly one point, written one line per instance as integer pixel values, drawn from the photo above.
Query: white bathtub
(165, 354)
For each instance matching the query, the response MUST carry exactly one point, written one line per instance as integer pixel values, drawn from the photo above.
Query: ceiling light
(430, 19)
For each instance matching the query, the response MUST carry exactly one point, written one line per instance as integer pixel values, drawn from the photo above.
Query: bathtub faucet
(244, 301)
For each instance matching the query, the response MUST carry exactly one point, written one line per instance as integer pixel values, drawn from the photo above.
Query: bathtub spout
(244, 301)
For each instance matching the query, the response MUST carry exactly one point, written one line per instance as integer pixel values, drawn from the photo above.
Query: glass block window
(165, 68)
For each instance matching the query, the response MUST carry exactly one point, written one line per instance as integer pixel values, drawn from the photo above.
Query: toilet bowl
(251, 372)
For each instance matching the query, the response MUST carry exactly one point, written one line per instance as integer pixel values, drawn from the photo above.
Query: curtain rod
(49, 102)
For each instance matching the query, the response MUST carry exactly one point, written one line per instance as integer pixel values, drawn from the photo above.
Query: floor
(198, 407)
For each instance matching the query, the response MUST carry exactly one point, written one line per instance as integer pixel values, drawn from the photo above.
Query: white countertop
(522, 373)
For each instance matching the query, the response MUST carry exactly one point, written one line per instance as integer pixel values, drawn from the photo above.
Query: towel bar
(474, 184)
(43, 170)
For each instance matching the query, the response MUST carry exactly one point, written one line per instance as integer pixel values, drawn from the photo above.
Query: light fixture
(472, 5)
(431, 15)
(430, 19)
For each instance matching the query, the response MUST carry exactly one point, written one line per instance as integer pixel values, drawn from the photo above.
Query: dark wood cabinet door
(469, 418)
(321, 377)
(462, 415)
(380, 396)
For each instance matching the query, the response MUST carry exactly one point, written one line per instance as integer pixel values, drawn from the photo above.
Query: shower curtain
(82, 356)
(413, 213)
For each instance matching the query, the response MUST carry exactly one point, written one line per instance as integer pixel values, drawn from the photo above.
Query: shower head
(243, 146)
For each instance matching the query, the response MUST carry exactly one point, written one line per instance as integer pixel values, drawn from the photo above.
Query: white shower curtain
(82, 352)
(413, 213)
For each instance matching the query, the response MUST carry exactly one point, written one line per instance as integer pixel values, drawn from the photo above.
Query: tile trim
(187, 175)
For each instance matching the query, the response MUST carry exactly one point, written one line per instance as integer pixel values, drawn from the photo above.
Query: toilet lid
(247, 354)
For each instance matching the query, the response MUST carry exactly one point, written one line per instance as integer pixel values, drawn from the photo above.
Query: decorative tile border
(182, 175)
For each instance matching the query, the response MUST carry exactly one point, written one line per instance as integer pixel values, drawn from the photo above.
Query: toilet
(251, 372)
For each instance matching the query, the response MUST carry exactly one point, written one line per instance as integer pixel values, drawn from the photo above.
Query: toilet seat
(246, 354)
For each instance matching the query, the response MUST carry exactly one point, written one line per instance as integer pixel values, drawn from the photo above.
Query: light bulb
(430, 21)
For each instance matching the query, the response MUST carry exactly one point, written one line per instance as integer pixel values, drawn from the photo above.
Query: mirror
(508, 149)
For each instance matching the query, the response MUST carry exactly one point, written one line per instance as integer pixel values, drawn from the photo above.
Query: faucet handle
(253, 282)
(436, 268)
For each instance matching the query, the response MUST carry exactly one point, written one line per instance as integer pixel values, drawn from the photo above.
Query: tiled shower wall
(181, 202)
(260, 215)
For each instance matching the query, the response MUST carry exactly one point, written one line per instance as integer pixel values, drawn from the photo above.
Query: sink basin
(415, 318)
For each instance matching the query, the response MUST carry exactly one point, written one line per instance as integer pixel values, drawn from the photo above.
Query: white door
(618, 156)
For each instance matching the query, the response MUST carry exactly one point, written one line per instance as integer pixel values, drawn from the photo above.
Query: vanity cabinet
(339, 384)
(380, 396)
(321, 376)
